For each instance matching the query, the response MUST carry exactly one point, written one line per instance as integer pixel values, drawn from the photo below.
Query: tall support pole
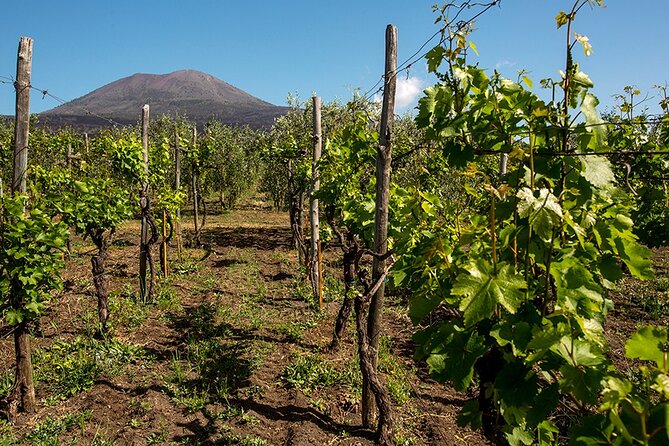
(194, 175)
(503, 161)
(315, 256)
(23, 393)
(22, 116)
(383, 159)
(144, 206)
(177, 185)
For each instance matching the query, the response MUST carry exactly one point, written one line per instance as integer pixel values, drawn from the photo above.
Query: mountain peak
(197, 95)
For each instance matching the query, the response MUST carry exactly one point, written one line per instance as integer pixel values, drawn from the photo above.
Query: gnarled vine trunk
(370, 374)
(102, 241)
(350, 255)
(22, 398)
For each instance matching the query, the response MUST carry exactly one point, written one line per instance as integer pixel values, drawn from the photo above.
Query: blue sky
(270, 48)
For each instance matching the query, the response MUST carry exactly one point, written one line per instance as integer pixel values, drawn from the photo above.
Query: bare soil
(226, 327)
(215, 351)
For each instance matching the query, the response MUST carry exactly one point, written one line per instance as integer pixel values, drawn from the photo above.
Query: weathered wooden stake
(315, 266)
(86, 143)
(164, 243)
(22, 117)
(144, 206)
(194, 187)
(177, 185)
(320, 276)
(503, 161)
(383, 160)
(23, 393)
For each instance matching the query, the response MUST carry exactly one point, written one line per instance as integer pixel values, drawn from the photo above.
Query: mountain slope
(198, 96)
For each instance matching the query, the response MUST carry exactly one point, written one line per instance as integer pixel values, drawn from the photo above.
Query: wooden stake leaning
(315, 256)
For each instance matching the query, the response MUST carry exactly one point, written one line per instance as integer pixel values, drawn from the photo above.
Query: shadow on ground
(266, 239)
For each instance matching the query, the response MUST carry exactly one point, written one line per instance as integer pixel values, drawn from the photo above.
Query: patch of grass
(310, 372)
(293, 331)
(184, 267)
(229, 439)
(403, 439)
(155, 438)
(7, 438)
(69, 367)
(301, 289)
(48, 432)
(397, 376)
(6, 384)
(167, 298)
(193, 400)
(662, 284)
(652, 299)
(333, 289)
(127, 313)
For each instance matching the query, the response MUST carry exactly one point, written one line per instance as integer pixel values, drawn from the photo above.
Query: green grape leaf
(594, 430)
(597, 171)
(577, 290)
(434, 58)
(561, 19)
(544, 213)
(453, 353)
(579, 352)
(596, 129)
(582, 79)
(636, 257)
(482, 289)
(519, 436)
(661, 385)
(648, 344)
(470, 415)
(14, 316)
(583, 382)
(421, 305)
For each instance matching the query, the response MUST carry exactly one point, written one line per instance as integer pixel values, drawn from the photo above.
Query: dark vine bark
(167, 238)
(22, 397)
(487, 368)
(296, 212)
(102, 241)
(350, 250)
(149, 253)
(369, 372)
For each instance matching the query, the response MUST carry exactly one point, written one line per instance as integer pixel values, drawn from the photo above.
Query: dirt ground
(230, 352)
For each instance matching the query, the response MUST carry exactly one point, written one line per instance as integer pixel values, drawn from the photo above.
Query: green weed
(311, 372)
(397, 376)
(69, 367)
(48, 432)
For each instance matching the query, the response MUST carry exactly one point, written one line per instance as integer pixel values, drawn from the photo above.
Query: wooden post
(194, 188)
(320, 276)
(164, 243)
(503, 160)
(69, 157)
(315, 256)
(383, 160)
(86, 143)
(23, 394)
(22, 117)
(177, 185)
(144, 206)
